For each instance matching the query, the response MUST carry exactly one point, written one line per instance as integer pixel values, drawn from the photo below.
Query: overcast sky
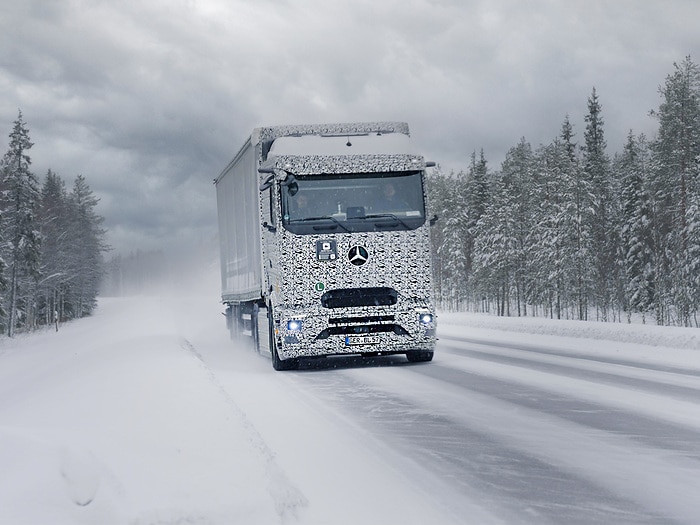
(150, 99)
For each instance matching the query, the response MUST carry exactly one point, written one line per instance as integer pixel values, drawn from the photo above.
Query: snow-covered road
(147, 413)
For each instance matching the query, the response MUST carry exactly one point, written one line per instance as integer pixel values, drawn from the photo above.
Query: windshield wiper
(321, 218)
(387, 216)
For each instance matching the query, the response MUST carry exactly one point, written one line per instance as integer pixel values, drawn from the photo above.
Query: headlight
(425, 318)
(294, 325)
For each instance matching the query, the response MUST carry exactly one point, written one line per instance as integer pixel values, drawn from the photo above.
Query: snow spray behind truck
(325, 243)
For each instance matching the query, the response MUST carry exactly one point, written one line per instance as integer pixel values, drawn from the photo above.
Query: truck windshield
(353, 202)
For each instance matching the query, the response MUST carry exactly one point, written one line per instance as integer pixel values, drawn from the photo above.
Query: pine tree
(517, 172)
(636, 239)
(693, 254)
(86, 239)
(577, 189)
(460, 200)
(478, 197)
(547, 240)
(454, 251)
(596, 168)
(439, 188)
(676, 152)
(21, 236)
(54, 213)
(477, 188)
(501, 235)
(496, 248)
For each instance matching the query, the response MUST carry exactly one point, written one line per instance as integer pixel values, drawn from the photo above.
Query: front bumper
(346, 331)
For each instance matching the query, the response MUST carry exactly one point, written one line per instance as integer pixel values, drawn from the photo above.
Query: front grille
(348, 297)
(362, 320)
(362, 329)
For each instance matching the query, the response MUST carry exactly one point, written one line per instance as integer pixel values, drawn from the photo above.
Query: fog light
(294, 325)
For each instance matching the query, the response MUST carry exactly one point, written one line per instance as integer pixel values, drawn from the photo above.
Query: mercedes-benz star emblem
(358, 255)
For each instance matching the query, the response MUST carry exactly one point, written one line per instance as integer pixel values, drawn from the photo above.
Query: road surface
(148, 414)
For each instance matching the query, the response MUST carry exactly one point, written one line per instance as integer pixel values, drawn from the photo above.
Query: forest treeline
(565, 230)
(51, 243)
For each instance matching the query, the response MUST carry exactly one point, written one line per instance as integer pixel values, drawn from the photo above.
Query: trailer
(325, 243)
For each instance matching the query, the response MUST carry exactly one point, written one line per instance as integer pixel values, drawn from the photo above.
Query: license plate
(352, 340)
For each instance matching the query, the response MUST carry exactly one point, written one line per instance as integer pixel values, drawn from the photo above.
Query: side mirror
(282, 176)
(267, 182)
(286, 179)
(433, 220)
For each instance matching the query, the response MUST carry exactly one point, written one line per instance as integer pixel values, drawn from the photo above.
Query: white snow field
(146, 413)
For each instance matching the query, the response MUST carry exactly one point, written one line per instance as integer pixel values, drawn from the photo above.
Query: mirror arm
(267, 182)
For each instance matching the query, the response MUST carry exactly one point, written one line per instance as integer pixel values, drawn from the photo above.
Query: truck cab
(344, 244)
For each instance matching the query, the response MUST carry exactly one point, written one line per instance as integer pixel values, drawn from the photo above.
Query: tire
(277, 363)
(254, 327)
(419, 356)
(234, 320)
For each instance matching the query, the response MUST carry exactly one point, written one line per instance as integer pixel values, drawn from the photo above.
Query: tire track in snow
(659, 479)
(675, 410)
(658, 485)
(680, 384)
(510, 483)
(638, 427)
(287, 498)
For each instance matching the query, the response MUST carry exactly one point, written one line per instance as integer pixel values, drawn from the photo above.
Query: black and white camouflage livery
(333, 292)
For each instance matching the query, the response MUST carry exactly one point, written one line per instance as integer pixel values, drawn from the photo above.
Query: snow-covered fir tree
(86, 237)
(501, 244)
(548, 263)
(577, 192)
(636, 234)
(459, 200)
(597, 170)
(454, 252)
(440, 188)
(477, 193)
(676, 152)
(54, 213)
(601, 237)
(51, 243)
(22, 241)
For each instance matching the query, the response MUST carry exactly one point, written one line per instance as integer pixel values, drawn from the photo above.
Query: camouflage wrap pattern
(351, 128)
(398, 260)
(295, 279)
(311, 164)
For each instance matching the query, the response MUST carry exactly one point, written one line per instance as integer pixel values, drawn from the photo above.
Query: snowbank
(662, 345)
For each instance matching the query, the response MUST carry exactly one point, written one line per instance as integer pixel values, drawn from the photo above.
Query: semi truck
(325, 243)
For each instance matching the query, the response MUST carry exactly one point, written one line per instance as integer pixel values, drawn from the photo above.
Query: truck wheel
(419, 356)
(254, 327)
(234, 320)
(277, 363)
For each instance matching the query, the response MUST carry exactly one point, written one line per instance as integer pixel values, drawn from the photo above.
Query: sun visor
(369, 144)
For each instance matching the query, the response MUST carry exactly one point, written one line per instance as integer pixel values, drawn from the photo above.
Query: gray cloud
(150, 99)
